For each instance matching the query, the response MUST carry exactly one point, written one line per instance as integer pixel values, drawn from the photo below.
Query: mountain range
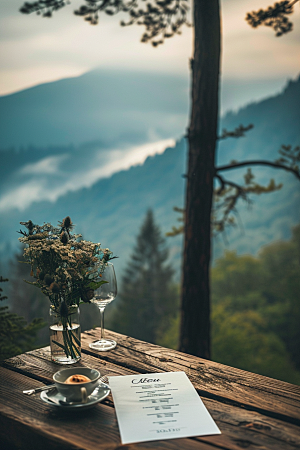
(99, 108)
(112, 208)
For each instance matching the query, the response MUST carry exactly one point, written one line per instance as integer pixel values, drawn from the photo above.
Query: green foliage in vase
(16, 336)
(148, 300)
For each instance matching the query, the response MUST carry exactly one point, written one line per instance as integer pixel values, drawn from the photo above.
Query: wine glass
(105, 294)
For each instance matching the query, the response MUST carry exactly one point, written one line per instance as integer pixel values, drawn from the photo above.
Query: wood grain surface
(252, 411)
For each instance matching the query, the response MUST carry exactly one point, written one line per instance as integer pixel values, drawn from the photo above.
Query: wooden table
(252, 411)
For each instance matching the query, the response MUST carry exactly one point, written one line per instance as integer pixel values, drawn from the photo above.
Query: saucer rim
(105, 392)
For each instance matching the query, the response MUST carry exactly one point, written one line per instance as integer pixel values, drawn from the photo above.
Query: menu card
(159, 406)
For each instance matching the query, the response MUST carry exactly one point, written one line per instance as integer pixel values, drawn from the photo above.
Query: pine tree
(148, 300)
(15, 335)
(26, 300)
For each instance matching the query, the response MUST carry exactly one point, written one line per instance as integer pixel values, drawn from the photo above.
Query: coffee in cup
(77, 378)
(77, 383)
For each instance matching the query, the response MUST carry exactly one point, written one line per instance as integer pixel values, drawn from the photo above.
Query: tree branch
(225, 201)
(225, 183)
(259, 163)
(161, 18)
(238, 132)
(274, 17)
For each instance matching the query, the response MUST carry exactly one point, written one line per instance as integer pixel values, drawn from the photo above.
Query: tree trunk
(202, 134)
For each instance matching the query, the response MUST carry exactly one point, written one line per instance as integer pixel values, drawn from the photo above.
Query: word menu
(159, 406)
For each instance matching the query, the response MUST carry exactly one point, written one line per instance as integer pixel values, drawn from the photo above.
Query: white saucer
(99, 394)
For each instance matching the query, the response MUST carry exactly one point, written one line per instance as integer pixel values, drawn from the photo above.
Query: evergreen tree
(25, 300)
(148, 301)
(15, 335)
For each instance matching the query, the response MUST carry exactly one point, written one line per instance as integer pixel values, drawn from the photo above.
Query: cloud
(22, 196)
(46, 166)
(51, 177)
(120, 160)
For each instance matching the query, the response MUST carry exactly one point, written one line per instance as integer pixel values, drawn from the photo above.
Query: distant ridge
(111, 107)
(107, 106)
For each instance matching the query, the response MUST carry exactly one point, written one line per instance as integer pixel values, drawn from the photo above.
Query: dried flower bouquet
(66, 268)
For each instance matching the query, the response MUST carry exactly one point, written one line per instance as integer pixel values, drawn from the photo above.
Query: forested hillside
(256, 311)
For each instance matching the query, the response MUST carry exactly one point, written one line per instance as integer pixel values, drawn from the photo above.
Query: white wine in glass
(105, 294)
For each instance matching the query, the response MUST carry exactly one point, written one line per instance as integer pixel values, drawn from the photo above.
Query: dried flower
(67, 222)
(48, 279)
(64, 237)
(41, 276)
(54, 288)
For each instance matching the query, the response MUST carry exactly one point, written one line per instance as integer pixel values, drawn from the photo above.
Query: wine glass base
(103, 345)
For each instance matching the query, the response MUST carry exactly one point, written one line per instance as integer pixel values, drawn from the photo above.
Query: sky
(34, 50)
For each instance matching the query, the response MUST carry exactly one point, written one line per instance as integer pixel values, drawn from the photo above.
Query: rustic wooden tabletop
(252, 411)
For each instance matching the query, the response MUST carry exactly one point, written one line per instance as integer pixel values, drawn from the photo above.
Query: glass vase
(65, 336)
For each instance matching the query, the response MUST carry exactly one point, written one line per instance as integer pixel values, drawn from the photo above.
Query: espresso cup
(77, 392)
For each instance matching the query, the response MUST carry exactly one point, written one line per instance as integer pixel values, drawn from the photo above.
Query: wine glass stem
(102, 322)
